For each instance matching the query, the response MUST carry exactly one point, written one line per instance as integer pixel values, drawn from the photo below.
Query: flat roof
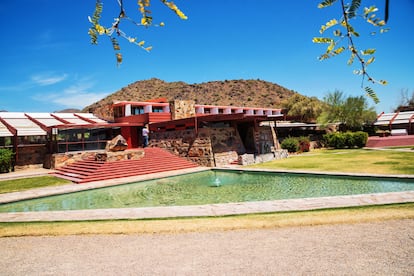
(37, 123)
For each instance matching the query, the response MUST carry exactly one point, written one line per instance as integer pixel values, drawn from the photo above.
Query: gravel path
(383, 248)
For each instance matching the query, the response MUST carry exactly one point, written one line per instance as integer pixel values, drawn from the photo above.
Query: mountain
(68, 110)
(250, 93)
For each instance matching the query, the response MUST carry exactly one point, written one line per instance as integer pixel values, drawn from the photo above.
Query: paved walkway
(185, 211)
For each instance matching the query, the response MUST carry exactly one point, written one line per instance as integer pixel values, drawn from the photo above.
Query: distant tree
(406, 101)
(308, 109)
(352, 112)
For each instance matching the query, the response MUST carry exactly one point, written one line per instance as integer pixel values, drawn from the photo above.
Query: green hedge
(343, 140)
(296, 144)
(6, 158)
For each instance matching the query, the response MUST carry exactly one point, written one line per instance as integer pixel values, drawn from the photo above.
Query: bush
(335, 140)
(6, 158)
(349, 139)
(304, 144)
(360, 139)
(291, 144)
(341, 140)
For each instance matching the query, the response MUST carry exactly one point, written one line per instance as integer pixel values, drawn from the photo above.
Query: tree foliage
(344, 34)
(307, 108)
(352, 112)
(406, 101)
(114, 31)
(6, 159)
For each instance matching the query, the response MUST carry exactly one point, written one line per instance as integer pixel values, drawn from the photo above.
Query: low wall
(30, 156)
(390, 141)
(249, 159)
(61, 159)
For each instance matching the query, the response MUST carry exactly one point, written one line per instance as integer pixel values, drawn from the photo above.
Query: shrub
(341, 140)
(335, 140)
(291, 144)
(6, 158)
(360, 139)
(304, 144)
(348, 139)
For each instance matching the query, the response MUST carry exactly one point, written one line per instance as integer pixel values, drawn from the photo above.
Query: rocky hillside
(251, 93)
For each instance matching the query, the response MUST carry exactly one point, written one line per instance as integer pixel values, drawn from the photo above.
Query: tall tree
(352, 112)
(308, 109)
(406, 101)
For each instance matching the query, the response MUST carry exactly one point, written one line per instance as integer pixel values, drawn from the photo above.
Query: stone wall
(226, 145)
(249, 159)
(182, 109)
(30, 156)
(266, 140)
(61, 159)
(215, 146)
(184, 143)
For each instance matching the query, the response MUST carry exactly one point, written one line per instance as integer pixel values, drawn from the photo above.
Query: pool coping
(224, 209)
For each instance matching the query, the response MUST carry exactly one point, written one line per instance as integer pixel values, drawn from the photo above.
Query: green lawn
(16, 185)
(352, 161)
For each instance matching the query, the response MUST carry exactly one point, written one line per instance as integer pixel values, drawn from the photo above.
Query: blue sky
(48, 63)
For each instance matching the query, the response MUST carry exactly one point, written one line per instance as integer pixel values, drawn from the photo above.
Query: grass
(350, 161)
(16, 185)
(184, 225)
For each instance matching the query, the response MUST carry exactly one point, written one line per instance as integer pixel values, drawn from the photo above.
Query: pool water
(212, 186)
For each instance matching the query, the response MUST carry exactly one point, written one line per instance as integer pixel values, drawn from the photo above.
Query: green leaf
(368, 52)
(371, 60)
(351, 59)
(330, 47)
(328, 24)
(337, 33)
(115, 44)
(322, 40)
(339, 50)
(383, 82)
(371, 94)
(370, 10)
(326, 3)
(353, 8)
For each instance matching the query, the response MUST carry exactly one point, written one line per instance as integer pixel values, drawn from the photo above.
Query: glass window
(157, 109)
(5, 141)
(118, 112)
(136, 110)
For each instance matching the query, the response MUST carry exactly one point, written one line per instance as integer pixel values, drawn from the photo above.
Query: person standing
(145, 133)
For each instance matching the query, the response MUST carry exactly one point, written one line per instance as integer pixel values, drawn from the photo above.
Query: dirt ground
(381, 248)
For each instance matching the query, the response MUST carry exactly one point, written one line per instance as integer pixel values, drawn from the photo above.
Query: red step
(155, 160)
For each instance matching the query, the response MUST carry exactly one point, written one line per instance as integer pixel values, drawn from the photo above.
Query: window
(5, 142)
(27, 140)
(157, 109)
(136, 110)
(118, 112)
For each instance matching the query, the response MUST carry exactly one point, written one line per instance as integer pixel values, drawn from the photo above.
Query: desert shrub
(348, 139)
(335, 140)
(6, 158)
(360, 139)
(304, 144)
(291, 144)
(341, 140)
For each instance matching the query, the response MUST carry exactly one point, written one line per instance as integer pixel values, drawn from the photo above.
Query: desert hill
(251, 93)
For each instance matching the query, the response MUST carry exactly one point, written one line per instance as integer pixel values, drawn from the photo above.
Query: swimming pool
(210, 187)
